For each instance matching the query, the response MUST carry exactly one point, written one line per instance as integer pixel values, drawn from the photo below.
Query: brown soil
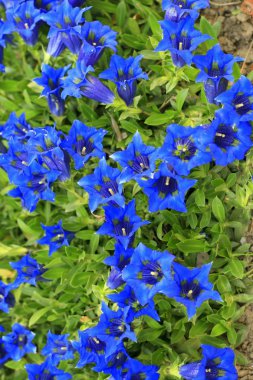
(236, 33)
(236, 37)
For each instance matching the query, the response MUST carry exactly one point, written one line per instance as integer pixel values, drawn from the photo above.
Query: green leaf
(148, 335)
(236, 268)
(159, 118)
(218, 330)
(121, 13)
(37, 315)
(192, 246)
(180, 98)
(218, 210)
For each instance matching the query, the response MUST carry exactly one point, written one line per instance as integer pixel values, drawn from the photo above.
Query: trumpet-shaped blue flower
(4, 356)
(55, 237)
(80, 83)
(33, 185)
(65, 28)
(182, 150)
(133, 369)
(83, 142)
(46, 371)
(125, 72)
(6, 28)
(96, 37)
(166, 190)
(16, 127)
(7, 299)
(191, 287)
(181, 39)
(177, 9)
(121, 223)
(90, 347)
(57, 348)
(217, 363)
(127, 297)
(18, 343)
(25, 18)
(137, 161)
(148, 273)
(216, 69)
(114, 363)
(103, 186)
(46, 5)
(239, 99)
(113, 328)
(28, 270)
(18, 157)
(52, 83)
(114, 279)
(227, 138)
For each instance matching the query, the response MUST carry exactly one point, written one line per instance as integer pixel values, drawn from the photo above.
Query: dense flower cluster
(36, 157)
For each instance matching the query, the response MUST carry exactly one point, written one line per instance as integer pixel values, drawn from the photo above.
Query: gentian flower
(7, 299)
(46, 5)
(45, 142)
(103, 186)
(133, 369)
(4, 356)
(239, 98)
(113, 328)
(51, 81)
(90, 347)
(166, 190)
(182, 150)
(191, 287)
(227, 138)
(114, 364)
(121, 223)
(148, 273)
(55, 237)
(137, 160)
(16, 127)
(28, 270)
(177, 9)
(216, 69)
(46, 370)
(80, 83)
(114, 279)
(217, 363)
(181, 39)
(127, 297)
(76, 3)
(96, 37)
(124, 72)
(18, 157)
(57, 348)
(25, 18)
(83, 142)
(65, 27)
(6, 28)
(33, 185)
(18, 343)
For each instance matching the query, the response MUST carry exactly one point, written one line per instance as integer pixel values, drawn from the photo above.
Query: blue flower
(113, 328)
(25, 18)
(148, 273)
(4, 356)
(121, 223)
(103, 186)
(57, 348)
(76, 3)
(95, 38)
(216, 69)
(181, 39)
(90, 348)
(7, 299)
(18, 157)
(46, 5)
(51, 81)
(182, 150)
(33, 185)
(18, 343)
(227, 138)
(137, 160)
(217, 363)
(46, 371)
(80, 83)
(166, 190)
(114, 364)
(127, 297)
(177, 9)
(6, 28)
(83, 142)
(55, 237)
(28, 270)
(115, 278)
(124, 72)
(239, 99)
(191, 287)
(16, 127)
(65, 27)
(136, 370)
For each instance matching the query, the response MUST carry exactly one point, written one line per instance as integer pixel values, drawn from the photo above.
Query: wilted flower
(124, 72)
(95, 38)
